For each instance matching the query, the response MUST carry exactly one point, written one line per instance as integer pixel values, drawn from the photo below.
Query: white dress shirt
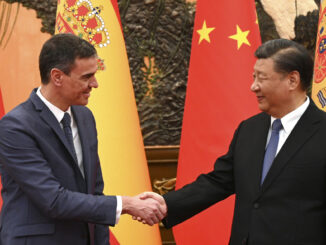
(288, 121)
(58, 113)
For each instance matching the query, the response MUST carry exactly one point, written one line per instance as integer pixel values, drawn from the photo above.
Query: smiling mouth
(87, 94)
(260, 98)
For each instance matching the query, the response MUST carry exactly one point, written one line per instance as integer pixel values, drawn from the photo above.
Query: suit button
(256, 205)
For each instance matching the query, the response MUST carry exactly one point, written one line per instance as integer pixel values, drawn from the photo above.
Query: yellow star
(204, 32)
(241, 37)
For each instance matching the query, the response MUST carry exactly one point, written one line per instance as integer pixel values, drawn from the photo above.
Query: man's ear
(56, 76)
(294, 80)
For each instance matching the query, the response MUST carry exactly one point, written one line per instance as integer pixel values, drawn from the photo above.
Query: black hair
(60, 52)
(288, 56)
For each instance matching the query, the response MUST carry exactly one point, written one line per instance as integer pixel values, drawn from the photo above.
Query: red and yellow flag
(121, 147)
(318, 93)
(225, 36)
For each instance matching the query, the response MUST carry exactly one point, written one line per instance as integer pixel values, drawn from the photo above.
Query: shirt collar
(57, 112)
(290, 120)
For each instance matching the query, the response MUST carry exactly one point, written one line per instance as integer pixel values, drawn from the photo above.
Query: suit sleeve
(101, 232)
(22, 160)
(205, 191)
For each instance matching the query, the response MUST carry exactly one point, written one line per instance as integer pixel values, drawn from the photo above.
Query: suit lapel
(260, 138)
(51, 120)
(82, 129)
(305, 128)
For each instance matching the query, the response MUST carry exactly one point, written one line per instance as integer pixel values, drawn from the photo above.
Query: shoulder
(313, 109)
(22, 113)
(83, 114)
(314, 114)
(256, 120)
(82, 110)
(17, 126)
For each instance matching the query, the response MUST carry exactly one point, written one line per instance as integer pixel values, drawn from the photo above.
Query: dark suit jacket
(42, 202)
(289, 208)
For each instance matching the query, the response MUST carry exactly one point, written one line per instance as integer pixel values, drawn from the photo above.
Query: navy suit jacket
(289, 208)
(42, 202)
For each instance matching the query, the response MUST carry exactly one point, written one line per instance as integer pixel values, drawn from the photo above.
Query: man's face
(271, 88)
(78, 84)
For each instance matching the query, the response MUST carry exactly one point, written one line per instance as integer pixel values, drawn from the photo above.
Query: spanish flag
(318, 93)
(121, 147)
(218, 98)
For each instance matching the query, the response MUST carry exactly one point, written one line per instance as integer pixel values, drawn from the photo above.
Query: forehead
(264, 66)
(85, 65)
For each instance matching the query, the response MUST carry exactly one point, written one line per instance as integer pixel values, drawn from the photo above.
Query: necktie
(271, 148)
(66, 120)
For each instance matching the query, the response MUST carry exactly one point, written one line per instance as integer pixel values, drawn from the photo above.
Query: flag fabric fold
(218, 98)
(121, 148)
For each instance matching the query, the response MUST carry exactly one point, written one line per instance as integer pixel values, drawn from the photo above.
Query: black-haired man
(276, 163)
(51, 175)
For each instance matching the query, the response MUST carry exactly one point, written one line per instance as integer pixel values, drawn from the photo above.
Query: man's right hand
(147, 207)
(153, 196)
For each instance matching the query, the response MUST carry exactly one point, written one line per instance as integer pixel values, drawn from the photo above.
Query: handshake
(148, 207)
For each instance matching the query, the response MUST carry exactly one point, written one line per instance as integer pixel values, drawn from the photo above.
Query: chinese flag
(225, 36)
(121, 148)
(318, 93)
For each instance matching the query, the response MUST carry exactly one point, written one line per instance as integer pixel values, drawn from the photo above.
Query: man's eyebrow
(88, 75)
(260, 73)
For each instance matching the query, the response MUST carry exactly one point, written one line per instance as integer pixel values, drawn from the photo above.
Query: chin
(263, 108)
(84, 102)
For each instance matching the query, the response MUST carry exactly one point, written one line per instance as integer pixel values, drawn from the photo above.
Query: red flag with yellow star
(226, 34)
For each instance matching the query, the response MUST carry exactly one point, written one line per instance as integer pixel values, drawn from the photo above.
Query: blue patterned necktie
(271, 148)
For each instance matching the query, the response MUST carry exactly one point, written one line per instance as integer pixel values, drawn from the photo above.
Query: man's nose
(254, 86)
(93, 83)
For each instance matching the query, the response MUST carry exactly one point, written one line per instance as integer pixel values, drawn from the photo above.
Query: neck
(296, 100)
(53, 97)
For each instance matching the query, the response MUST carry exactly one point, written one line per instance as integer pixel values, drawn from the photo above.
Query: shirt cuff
(119, 209)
